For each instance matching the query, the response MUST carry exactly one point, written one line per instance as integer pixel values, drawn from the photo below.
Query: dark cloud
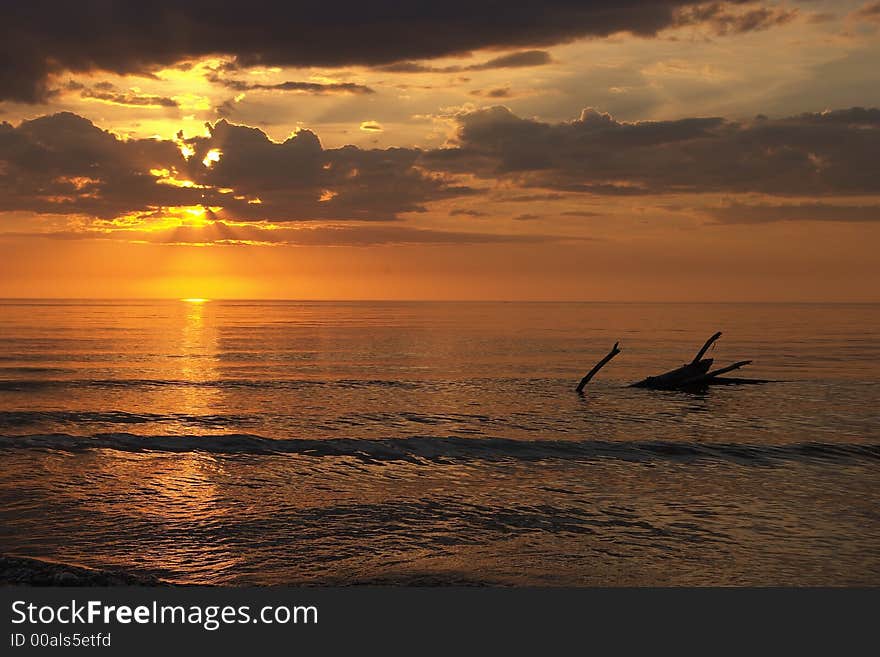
(64, 164)
(108, 92)
(530, 198)
(753, 213)
(298, 179)
(42, 37)
(527, 217)
(130, 99)
(500, 92)
(467, 213)
(515, 60)
(522, 59)
(306, 87)
(830, 153)
(724, 19)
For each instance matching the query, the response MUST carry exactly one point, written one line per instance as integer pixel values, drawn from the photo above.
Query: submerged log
(598, 366)
(677, 377)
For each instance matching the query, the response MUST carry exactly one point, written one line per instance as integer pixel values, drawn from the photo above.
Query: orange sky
(713, 155)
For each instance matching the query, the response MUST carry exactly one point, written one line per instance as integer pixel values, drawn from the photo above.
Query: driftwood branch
(729, 368)
(705, 348)
(611, 354)
(735, 381)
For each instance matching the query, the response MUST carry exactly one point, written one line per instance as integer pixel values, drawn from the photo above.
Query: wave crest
(452, 449)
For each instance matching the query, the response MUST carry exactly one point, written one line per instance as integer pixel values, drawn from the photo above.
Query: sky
(637, 150)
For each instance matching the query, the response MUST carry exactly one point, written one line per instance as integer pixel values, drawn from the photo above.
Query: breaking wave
(451, 449)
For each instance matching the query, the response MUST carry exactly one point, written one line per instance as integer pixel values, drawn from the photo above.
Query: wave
(28, 385)
(451, 449)
(16, 419)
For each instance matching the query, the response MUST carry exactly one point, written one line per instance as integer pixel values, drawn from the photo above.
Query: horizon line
(416, 300)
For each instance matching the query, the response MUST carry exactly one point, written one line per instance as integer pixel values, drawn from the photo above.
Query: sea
(434, 443)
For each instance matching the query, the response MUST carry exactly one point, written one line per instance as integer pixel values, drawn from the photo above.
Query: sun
(196, 300)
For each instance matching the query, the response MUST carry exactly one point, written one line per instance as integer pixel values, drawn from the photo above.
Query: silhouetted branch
(734, 381)
(729, 368)
(705, 348)
(611, 354)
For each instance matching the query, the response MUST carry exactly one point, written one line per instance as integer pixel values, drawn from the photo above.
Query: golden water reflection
(197, 355)
(180, 493)
(182, 489)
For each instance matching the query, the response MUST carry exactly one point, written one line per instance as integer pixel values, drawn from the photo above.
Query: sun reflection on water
(197, 353)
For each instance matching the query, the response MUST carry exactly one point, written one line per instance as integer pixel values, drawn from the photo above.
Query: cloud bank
(45, 37)
(829, 153)
(65, 165)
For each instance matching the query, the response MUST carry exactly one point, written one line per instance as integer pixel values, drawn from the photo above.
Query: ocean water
(244, 443)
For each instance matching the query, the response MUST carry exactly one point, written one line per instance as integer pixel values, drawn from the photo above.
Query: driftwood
(735, 381)
(598, 366)
(729, 368)
(693, 375)
(677, 377)
(705, 348)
